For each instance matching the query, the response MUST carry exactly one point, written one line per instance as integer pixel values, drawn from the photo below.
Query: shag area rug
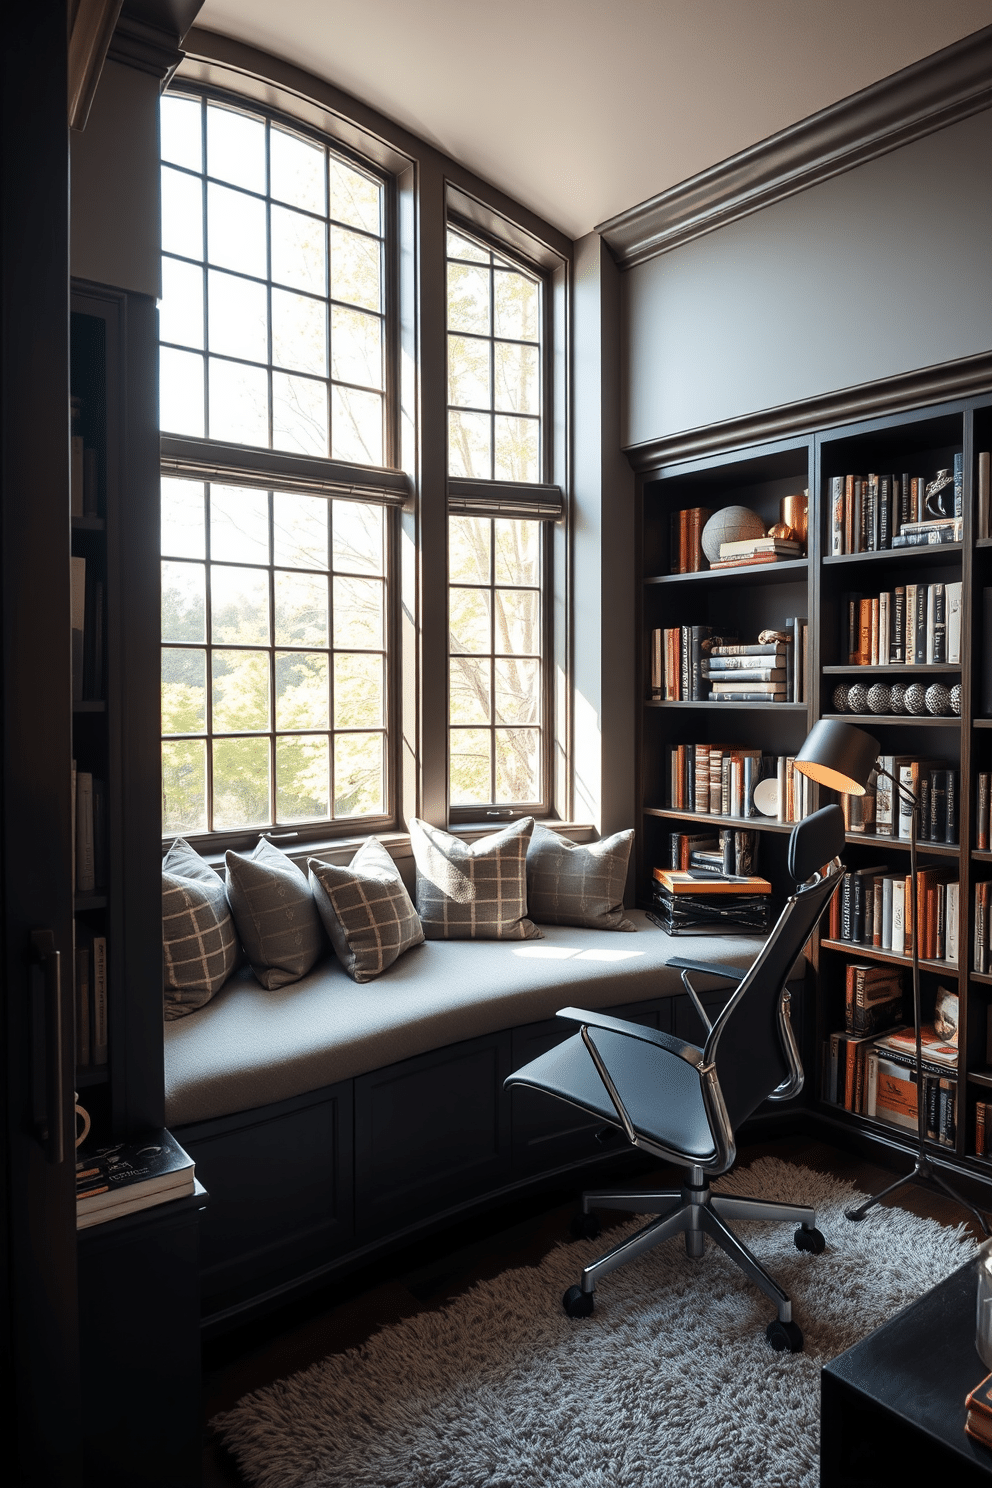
(670, 1383)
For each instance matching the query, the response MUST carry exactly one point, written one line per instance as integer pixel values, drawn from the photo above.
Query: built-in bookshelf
(867, 485)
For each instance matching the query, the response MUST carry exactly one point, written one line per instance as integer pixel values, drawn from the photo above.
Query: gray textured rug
(670, 1384)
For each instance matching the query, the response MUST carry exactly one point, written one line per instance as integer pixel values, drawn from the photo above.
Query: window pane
(469, 448)
(517, 377)
(468, 549)
(184, 786)
(459, 247)
(359, 532)
(354, 198)
(359, 777)
(182, 214)
(241, 783)
(299, 530)
(469, 690)
(239, 317)
(301, 690)
(180, 392)
(180, 311)
(518, 765)
(358, 614)
(518, 622)
(297, 171)
(518, 449)
(183, 530)
(356, 426)
(468, 299)
(299, 414)
(239, 525)
(298, 251)
(355, 269)
(470, 766)
(356, 347)
(235, 148)
(518, 551)
(240, 690)
(470, 621)
(301, 609)
(180, 126)
(358, 690)
(239, 403)
(239, 606)
(184, 692)
(236, 231)
(516, 306)
(518, 691)
(303, 786)
(469, 383)
(184, 609)
(299, 332)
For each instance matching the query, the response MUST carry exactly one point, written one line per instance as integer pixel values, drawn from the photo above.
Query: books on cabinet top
(124, 1177)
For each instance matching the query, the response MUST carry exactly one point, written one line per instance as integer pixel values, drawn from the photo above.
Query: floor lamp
(843, 757)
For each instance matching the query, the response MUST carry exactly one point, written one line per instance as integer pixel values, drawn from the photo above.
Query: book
(77, 622)
(85, 862)
(684, 883)
(935, 1050)
(750, 696)
(928, 537)
(983, 493)
(125, 1171)
(978, 1408)
(99, 1044)
(749, 546)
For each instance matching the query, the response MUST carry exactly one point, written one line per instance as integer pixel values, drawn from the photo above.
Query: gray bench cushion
(249, 1047)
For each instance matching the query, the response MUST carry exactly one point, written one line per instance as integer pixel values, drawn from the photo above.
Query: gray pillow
(473, 891)
(201, 948)
(366, 910)
(571, 883)
(274, 913)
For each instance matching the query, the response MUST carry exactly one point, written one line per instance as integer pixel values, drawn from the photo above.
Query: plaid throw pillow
(569, 883)
(201, 949)
(275, 915)
(366, 910)
(473, 891)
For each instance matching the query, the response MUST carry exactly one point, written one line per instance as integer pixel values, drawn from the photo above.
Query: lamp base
(923, 1172)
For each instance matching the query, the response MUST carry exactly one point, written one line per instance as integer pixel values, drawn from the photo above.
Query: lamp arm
(904, 791)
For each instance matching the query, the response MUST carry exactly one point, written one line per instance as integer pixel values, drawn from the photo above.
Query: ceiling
(580, 109)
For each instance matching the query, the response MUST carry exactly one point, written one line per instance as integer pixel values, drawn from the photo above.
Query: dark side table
(893, 1405)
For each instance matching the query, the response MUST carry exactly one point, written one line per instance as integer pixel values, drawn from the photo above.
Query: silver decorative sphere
(729, 524)
(897, 697)
(938, 698)
(956, 699)
(916, 698)
(880, 698)
(840, 698)
(857, 698)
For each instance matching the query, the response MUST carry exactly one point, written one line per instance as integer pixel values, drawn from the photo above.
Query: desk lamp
(842, 757)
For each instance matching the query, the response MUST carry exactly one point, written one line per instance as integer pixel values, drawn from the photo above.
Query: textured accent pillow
(274, 913)
(571, 883)
(201, 948)
(366, 910)
(474, 891)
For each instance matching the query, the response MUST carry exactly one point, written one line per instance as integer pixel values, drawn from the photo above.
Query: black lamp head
(838, 755)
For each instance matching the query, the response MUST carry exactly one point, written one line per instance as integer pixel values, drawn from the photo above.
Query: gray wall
(880, 270)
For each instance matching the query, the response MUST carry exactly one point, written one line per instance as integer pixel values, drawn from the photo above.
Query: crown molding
(965, 378)
(920, 99)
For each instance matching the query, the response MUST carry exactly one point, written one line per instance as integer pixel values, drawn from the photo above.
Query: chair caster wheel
(809, 1239)
(579, 1304)
(785, 1336)
(856, 1215)
(584, 1226)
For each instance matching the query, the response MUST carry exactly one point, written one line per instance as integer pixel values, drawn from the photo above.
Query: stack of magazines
(703, 903)
(128, 1176)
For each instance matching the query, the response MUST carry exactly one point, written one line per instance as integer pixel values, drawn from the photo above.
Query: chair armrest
(690, 1053)
(711, 968)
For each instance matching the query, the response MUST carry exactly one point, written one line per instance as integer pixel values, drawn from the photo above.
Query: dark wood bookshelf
(712, 819)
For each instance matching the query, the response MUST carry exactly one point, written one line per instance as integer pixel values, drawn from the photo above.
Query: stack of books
(689, 664)
(128, 1176)
(978, 1404)
(751, 550)
(870, 513)
(727, 852)
(700, 903)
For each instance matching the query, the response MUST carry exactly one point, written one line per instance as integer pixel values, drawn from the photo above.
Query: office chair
(683, 1104)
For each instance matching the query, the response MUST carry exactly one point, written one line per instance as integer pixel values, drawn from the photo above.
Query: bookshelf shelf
(911, 720)
(794, 570)
(83, 902)
(981, 976)
(979, 855)
(90, 705)
(980, 1077)
(935, 553)
(901, 844)
(88, 524)
(898, 668)
(872, 953)
(981, 723)
(711, 706)
(91, 1075)
(748, 823)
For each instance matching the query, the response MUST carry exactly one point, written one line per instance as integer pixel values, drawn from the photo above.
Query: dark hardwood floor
(428, 1275)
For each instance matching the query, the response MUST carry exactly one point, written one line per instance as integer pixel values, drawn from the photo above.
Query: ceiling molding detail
(145, 47)
(966, 378)
(932, 93)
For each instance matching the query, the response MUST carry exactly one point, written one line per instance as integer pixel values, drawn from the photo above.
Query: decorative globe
(916, 698)
(730, 524)
(880, 698)
(840, 698)
(897, 697)
(938, 698)
(857, 698)
(956, 699)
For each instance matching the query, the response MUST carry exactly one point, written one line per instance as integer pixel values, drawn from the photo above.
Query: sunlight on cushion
(607, 955)
(548, 953)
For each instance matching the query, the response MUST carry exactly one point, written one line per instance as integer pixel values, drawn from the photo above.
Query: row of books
(686, 551)
(936, 787)
(90, 970)
(728, 851)
(867, 1080)
(89, 832)
(870, 513)
(87, 632)
(121, 1179)
(874, 907)
(718, 780)
(700, 901)
(910, 625)
(691, 664)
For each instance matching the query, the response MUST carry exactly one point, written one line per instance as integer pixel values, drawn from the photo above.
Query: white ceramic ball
(916, 698)
(956, 698)
(729, 524)
(879, 698)
(938, 699)
(840, 698)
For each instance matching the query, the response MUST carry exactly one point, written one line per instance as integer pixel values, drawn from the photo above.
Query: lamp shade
(838, 755)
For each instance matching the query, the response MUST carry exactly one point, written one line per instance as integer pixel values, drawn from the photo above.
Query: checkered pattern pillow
(474, 891)
(573, 884)
(274, 913)
(366, 910)
(201, 949)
